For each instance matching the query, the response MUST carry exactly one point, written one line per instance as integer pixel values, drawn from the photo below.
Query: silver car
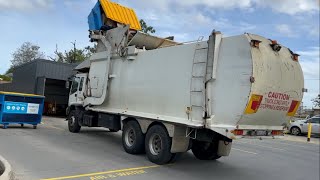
(301, 126)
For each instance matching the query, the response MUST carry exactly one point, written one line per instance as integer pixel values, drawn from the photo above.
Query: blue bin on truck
(19, 108)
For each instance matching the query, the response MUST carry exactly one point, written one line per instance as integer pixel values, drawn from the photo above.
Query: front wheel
(73, 122)
(158, 145)
(205, 150)
(295, 131)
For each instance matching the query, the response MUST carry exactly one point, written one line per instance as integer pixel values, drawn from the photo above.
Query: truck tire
(73, 122)
(132, 138)
(158, 145)
(205, 150)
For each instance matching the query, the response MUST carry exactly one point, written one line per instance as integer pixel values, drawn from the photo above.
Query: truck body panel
(171, 84)
(155, 85)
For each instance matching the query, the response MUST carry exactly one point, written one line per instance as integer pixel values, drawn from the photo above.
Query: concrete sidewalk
(5, 170)
(302, 138)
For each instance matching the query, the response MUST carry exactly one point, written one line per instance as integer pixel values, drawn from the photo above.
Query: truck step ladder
(197, 89)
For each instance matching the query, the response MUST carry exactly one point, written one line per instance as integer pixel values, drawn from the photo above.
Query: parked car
(301, 126)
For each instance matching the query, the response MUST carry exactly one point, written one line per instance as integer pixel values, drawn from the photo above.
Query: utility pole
(74, 51)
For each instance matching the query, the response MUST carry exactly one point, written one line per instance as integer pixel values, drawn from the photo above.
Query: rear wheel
(158, 145)
(73, 122)
(295, 131)
(132, 138)
(205, 150)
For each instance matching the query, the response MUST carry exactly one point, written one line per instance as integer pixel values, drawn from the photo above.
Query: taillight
(237, 132)
(276, 133)
(293, 108)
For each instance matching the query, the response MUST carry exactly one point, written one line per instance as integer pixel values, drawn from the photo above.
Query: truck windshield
(75, 85)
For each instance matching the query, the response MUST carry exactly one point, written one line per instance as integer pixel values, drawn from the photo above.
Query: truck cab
(78, 89)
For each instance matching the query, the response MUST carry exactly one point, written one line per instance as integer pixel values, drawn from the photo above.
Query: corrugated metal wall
(54, 70)
(23, 79)
(28, 78)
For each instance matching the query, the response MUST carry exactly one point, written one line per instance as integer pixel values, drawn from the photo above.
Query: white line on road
(244, 151)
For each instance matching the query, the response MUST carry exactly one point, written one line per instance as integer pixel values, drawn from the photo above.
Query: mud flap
(224, 148)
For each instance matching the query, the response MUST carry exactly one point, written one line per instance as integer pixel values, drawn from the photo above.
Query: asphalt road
(51, 152)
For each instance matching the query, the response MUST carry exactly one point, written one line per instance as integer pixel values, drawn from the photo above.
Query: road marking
(102, 173)
(261, 146)
(244, 151)
(118, 174)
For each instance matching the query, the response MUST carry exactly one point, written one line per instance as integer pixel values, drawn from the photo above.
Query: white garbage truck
(169, 97)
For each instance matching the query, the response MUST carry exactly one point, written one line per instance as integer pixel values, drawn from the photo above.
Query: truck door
(81, 89)
(74, 91)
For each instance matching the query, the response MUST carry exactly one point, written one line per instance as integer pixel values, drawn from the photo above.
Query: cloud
(285, 30)
(24, 5)
(310, 62)
(79, 6)
(231, 4)
(310, 67)
(291, 7)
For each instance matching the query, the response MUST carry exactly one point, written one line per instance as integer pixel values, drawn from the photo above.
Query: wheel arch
(145, 124)
(295, 126)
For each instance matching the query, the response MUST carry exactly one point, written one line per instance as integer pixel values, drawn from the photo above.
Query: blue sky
(293, 23)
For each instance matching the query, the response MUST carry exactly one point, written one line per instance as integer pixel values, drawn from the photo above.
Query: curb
(6, 170)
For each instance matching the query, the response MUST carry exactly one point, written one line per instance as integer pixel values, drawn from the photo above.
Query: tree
(10, 70)
(316, 101)
(5, 78)
(74, 55)
(25, 53)
(146, 28)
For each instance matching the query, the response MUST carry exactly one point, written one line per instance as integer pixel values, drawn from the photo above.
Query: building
(43, 77)
(3, 81)
(316, 111)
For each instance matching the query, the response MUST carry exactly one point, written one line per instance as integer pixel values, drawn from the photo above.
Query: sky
(55, 24)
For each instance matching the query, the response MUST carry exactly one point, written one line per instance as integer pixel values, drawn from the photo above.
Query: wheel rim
(72, 120)
(155, 144)
(295, 131)
(130, 137)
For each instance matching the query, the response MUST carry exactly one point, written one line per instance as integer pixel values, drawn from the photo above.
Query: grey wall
(54, 70)
(29, 78)
(23, 79)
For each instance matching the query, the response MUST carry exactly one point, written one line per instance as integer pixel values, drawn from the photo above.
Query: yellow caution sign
(254, 103)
